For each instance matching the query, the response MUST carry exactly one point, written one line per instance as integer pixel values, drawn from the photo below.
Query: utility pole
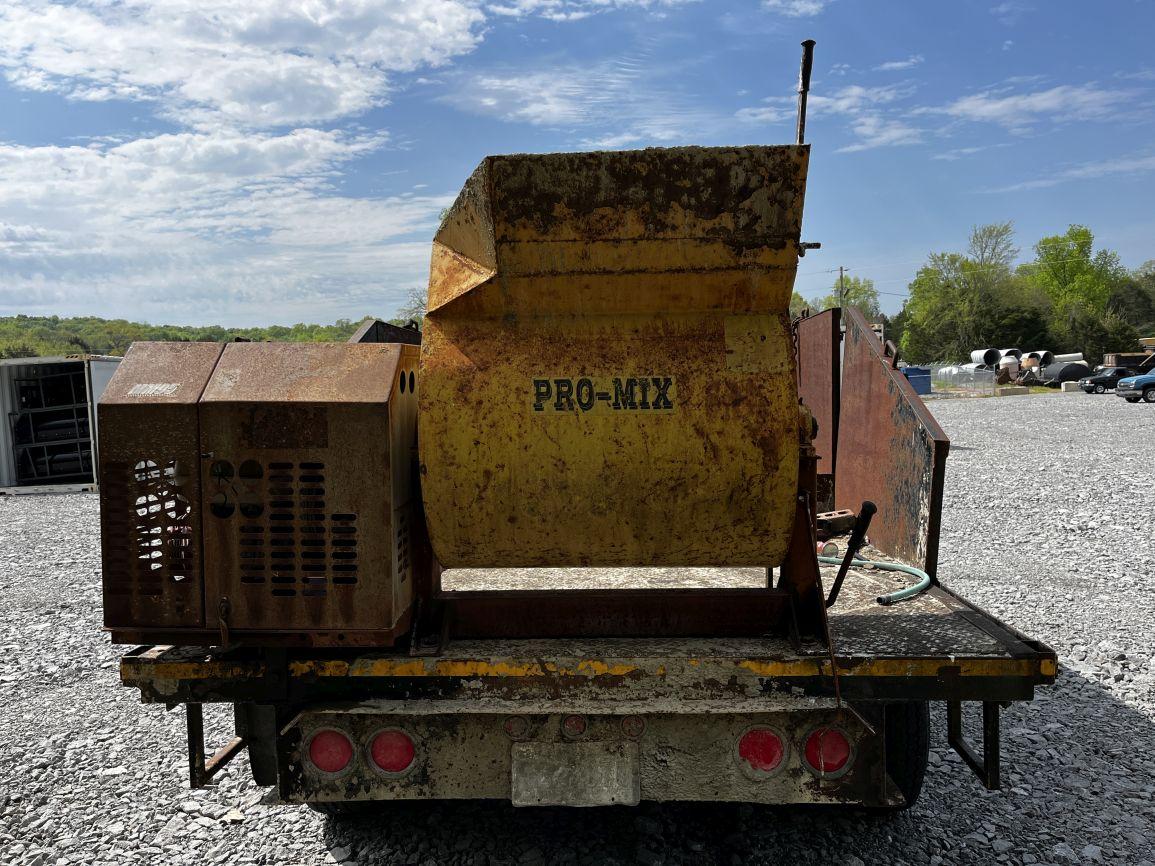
(841, 287)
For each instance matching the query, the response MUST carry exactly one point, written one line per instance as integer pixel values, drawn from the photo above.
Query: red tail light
(392, 751)
(573, 726)
(761, 751)
(330, 751)
(828, 751)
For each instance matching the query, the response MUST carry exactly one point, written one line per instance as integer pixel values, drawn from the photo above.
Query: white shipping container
(48, 422)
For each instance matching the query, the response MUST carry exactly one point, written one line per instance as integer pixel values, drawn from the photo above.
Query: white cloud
(851, 100)
(855, 98)
(1134, 164)
(618, 103)
(571, 10)
(197, 226)
(863, 107)
(240, 213)
(258, 63)
(961, 152)
(1018, 110)
(1010, 11)
(1144, 74)
(797, 8)
(773, 110)
(895, 65)
(563, 97)
(874, 131)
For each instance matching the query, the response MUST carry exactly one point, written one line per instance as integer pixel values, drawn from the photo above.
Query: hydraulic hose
(924, 579)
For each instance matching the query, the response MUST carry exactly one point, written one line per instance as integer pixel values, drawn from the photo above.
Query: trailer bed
(936, 646)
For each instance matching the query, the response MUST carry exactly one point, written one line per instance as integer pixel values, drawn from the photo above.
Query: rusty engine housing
(259, 490)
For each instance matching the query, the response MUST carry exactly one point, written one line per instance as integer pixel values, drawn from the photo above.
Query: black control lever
(857, 537)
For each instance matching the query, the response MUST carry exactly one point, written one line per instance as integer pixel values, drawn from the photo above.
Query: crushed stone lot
(1047, 525)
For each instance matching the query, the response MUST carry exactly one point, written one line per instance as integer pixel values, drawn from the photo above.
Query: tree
(1080, 284)
(797, 305)
(17, 350)
(1096, 334)
(1133, 299)
(1072, 275)
(959, 302)
(854, 292)
(413, 309)
(53, 335)
(895, 326)
(992, 247)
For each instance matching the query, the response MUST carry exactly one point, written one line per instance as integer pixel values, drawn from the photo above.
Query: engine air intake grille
(286, 539)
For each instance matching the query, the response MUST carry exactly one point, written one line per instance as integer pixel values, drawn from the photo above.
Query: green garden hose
(924, 579)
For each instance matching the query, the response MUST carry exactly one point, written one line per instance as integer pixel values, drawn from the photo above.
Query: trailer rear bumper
(560, 755)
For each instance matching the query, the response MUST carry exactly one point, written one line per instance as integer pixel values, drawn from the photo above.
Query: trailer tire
(907, 748)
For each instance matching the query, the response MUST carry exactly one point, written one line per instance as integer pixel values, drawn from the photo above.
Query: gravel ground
(1046, 525)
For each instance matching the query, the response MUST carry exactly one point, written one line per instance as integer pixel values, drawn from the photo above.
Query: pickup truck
(1136, 388)
(1102, 381)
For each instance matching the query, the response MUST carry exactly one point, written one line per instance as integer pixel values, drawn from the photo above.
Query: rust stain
(673, 266)
(899, 451)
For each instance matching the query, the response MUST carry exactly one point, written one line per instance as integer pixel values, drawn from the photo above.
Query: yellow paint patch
(787, 669)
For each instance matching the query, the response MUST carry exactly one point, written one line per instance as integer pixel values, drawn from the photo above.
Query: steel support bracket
(201, 771)
(986, 766)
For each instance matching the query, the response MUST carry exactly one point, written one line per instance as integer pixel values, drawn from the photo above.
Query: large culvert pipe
(988, 357)
(1064, 371)
(1017, 353)
(1044, 357)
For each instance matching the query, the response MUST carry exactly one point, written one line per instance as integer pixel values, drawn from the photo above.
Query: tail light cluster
(827, 752)
(390, 751)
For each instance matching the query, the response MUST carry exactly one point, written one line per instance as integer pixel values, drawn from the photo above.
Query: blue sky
(256, 162)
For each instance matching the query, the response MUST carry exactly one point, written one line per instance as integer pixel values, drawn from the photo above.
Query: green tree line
(1069, 298)
(30, 336)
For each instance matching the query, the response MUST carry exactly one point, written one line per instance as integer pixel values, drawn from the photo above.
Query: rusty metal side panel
(150, 516)
(304, 373)
(298, 525)
(301, 522)
(406, 533)
(890, 450)
(819, 340)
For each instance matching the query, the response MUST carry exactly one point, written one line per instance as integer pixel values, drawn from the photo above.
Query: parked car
(1101, 381)
(1136, 388)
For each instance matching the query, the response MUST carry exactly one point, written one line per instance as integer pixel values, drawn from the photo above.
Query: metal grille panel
(150, 488)
(298, 492)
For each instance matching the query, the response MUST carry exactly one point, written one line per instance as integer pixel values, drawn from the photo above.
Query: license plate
(575, 774)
